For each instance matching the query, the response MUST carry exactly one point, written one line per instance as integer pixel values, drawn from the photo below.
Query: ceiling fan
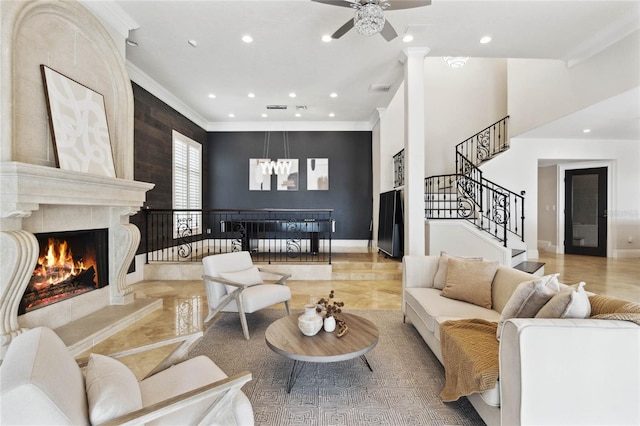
(369, 18)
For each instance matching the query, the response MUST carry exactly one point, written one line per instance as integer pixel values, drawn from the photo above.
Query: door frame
(610, 165)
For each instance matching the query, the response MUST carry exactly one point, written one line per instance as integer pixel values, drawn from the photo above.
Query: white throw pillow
(528, 298)
(440, 279)
(249, 276)
(571, 302)
(112, 389)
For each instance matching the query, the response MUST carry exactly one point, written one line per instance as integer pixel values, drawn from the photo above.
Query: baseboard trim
(626, 253)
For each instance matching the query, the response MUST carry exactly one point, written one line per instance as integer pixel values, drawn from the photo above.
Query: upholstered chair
(234, 284)
(41, 383)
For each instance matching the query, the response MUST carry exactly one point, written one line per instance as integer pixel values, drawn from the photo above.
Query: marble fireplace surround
(38, 197)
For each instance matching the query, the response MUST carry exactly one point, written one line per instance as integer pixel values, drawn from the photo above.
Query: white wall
(541, 91)
(392, 134)
(460, 102)
(519, 168)
(547, 208)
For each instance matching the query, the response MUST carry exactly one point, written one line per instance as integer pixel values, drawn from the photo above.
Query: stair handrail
(457, 197)
(499, 206)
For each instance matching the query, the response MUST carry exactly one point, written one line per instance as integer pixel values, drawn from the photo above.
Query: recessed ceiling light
(247, 38)
(485, 40)
(297, 114)
(408, 38)
(232, 115)
(264, 115)
(334, 95)
(212, 95)
(132, 43)
(193, 43)
(332, 115)
(252, 95)
(326, 38)
(586, 131)
(292, 95)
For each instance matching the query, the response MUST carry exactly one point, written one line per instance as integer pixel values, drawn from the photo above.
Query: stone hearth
(36, 196)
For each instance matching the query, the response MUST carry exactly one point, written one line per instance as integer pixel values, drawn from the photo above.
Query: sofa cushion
(434, 309)
(112, 389)
(440, 279)
(470, 281)
(528, 299)
(505, 283)
(571, 302)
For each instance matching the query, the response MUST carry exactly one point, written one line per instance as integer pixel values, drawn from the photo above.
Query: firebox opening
(69, 264)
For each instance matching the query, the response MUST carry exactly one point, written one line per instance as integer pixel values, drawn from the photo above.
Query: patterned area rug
(403, 388)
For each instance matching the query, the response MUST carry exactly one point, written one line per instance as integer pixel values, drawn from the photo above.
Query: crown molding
(304, 126)
(601, 40)
(112, 14)
(146, 82)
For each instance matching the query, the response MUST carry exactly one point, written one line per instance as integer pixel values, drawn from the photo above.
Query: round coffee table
(285, 338)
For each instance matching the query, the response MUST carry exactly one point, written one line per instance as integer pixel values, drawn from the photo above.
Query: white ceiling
(287, 54)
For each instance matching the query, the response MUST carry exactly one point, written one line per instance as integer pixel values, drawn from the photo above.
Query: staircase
(467, 195)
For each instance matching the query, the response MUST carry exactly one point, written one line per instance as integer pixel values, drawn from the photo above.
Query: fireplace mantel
(37, 199)
(26, 186)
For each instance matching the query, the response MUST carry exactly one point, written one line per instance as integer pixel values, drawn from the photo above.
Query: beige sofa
(551, 371)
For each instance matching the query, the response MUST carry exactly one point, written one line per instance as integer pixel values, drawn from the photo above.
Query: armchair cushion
(249, 276)
(186, 376)
(112, 389)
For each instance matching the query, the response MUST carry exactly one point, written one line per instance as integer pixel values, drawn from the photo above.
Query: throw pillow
(249, 276)
(440, 279)
(470, 281)
(528, 298)
(112, 389)
(571, 302)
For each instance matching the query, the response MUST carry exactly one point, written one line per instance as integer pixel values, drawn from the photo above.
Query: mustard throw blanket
(470, 354)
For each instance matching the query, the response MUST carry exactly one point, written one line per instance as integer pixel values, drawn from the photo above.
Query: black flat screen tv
(391, 224)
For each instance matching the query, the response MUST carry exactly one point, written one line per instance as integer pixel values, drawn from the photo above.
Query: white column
(414, 107)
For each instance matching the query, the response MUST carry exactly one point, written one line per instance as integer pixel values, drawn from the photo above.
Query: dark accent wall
(350, 175)
(153, 145)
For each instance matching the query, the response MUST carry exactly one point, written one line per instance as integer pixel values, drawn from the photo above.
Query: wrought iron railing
(271, 235)
(484, 145)
(468, 195)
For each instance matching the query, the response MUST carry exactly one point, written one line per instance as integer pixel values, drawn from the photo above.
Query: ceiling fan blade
(343, 29)
(343, 3)
(388, 32)
(406, 4)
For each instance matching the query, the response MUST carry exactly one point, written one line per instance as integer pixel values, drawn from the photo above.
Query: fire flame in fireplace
(56, 266)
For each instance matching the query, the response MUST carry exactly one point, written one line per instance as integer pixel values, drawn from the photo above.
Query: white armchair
(234, 284)
(41, 383)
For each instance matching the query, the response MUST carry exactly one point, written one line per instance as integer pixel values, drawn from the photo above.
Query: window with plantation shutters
(187, 185)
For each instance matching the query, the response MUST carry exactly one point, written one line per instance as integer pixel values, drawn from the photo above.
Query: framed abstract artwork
(78, 122)
(317, 174)
(259, 174)
(287, 171)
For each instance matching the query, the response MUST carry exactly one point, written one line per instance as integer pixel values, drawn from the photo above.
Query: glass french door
(586, 211)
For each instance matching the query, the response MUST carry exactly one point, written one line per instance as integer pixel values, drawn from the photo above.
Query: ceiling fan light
(369, 19)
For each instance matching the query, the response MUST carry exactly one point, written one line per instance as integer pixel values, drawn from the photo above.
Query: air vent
(276, 107)
(379, 87)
